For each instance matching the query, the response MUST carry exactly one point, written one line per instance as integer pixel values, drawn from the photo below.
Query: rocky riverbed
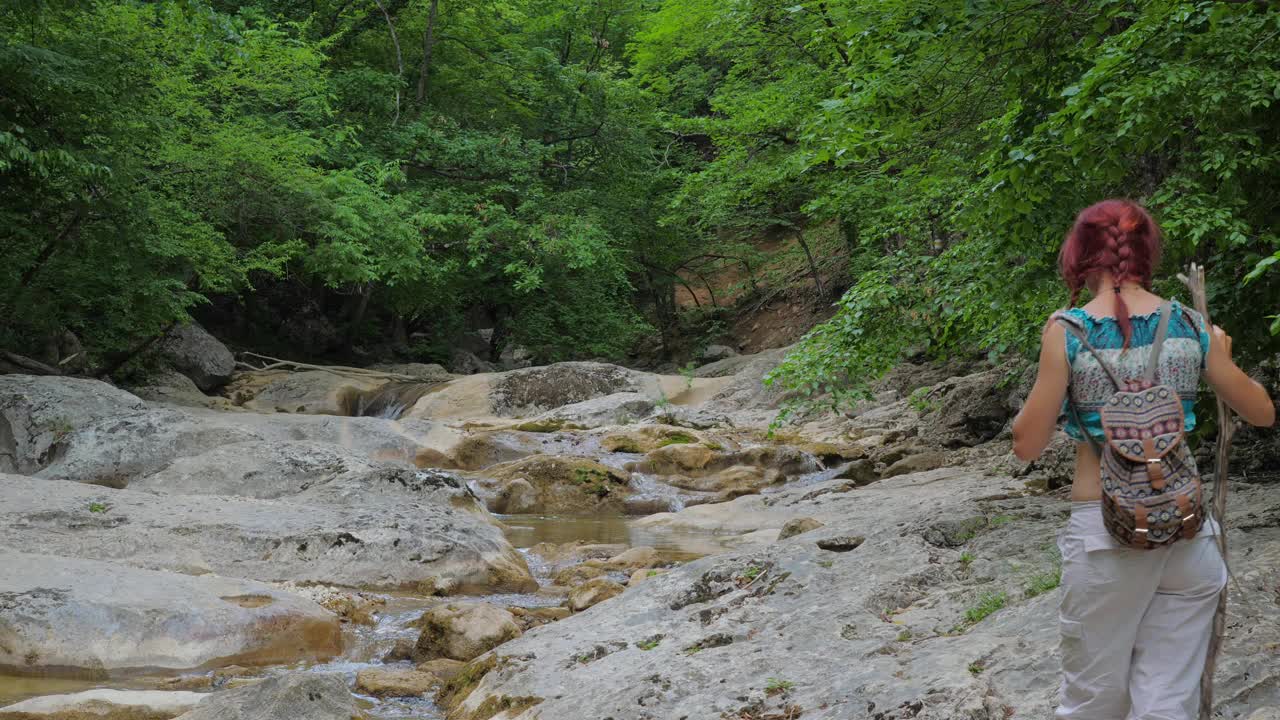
(572, 541)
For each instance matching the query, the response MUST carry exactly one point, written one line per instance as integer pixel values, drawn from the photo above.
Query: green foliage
(952, 143)
(987, 604)
(777, 686)
(1043, 583)
(97, 507)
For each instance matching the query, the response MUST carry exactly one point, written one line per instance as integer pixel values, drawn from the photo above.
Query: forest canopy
(340, 172)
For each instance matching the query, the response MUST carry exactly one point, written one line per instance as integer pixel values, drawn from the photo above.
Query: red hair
(1115, 236)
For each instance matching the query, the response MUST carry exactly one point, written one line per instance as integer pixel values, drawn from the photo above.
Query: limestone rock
(539, 389)
(467, 363)
(972, 410)
(105, 704)
(797, 526)
(395, 682)
(314, 392)
(916, 463)
(593, 592)
(464, 631)
(92, 618)
(636, 558)
(192, 351)
(712, 353)
(38, 414)
(563, 485)
(297, 696)
(423, 545)
(443, 668)
(861, 472)
(173, 388)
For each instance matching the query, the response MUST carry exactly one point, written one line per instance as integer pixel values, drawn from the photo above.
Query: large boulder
(593, 592)
(538, 389)
(171, 387)
(63, 428)
(105, 704)
(315, 392)
(96, 619)
(970, 410)
(554, 484)
(192, 351)
(615, 409)
(297, 696)
(426, 546)
(463, 631)
(39, 413)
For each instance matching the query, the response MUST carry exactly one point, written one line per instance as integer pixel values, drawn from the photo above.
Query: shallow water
(366, 645)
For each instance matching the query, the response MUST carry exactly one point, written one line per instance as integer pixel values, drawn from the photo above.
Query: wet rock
(528, 618)
(640, 576)
(443, 668)
(105, 704)
(577, 574)
(192, 351)
(646, 438)
(516, 496)
(402, 650)
(464, 631)
(395, 682)
(482, 450)
(636, 558)
(92, 618)
(593, 592)
(861, 472)
(424, 545)
(732, 481)
(797, 526)
(563, 485)
(916, 463)
(297, 696)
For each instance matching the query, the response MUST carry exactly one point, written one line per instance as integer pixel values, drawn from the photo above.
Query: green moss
(677, 439)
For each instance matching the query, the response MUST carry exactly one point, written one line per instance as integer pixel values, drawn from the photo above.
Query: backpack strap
(1076, 328)
(1162, 332)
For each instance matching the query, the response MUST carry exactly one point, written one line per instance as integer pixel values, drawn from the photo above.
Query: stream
(366, 645)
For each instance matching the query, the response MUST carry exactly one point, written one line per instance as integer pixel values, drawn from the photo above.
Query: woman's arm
(1036, 422)
(1244, 394)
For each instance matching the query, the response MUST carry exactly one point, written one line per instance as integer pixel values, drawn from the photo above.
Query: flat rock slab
(890, 627)
(105, 704)
(96, 619)
(298, 696)
(382, 545)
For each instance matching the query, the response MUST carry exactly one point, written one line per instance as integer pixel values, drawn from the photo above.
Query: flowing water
(366, 645)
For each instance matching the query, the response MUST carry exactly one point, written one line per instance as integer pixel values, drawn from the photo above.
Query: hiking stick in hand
(1194, 280)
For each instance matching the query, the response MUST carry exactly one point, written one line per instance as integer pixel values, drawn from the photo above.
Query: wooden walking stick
(1194, 280)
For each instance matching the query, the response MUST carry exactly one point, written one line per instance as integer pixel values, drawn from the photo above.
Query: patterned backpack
(1151, 490)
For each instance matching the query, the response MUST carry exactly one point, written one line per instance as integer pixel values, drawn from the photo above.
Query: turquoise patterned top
(1181, 363)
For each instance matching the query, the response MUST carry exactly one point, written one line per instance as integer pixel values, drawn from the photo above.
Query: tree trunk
(357, 315)
(813, 267)
(428, 44)
(399, 333)
(395, 40)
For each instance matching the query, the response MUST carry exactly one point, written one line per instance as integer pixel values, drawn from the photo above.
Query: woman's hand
(1219, 347)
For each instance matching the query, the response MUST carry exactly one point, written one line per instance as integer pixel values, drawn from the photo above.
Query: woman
(1135, 623)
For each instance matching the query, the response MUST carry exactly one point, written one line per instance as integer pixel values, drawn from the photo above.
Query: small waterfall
(388, 401)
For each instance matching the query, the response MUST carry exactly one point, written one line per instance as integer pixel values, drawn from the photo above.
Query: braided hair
(1115, 236)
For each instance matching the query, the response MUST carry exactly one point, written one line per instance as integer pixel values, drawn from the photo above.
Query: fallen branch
(362, 373)
(1194, 281)
(26, 364)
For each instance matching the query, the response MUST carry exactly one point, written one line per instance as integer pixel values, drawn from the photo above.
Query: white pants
(1135, 623)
